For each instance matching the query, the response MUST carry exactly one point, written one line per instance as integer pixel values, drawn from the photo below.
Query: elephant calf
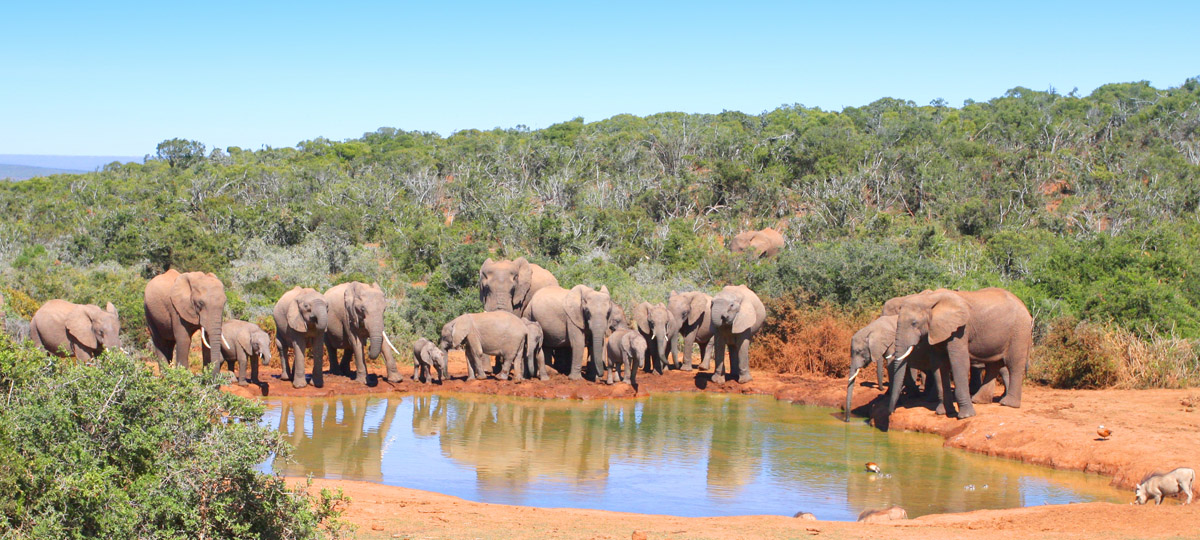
(427, 357)
(82, 331)
(242, 341)
(493, 333)
(655, 323)
(535, 358)
(626, 348)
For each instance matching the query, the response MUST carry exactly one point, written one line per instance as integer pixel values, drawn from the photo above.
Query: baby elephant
(884, 515)
(482, 335)
(535, 359)
(626, 348)
(1158, 485)
(426, 357)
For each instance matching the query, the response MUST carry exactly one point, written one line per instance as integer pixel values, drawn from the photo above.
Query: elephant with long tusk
(176, 306)
(356, 320)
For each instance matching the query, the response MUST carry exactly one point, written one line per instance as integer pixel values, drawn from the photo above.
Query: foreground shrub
(798, 337)
(112, 451)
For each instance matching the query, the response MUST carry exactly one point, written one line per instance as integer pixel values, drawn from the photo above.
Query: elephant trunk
(499, 301)
(211, 326)
(322, 319)
(375, 339)
(597, 347)
(854, 369)
(660, 336)
(899, 368)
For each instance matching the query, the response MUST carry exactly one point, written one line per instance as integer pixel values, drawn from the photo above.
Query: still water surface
(677, 454)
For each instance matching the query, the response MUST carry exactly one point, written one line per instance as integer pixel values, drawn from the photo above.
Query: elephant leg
(298, 367)
(685, 356)
(960, 368)
(471, 375)
(506, 364)
(254, 360)
(354, 354)
(241, 367)
(183, 345)
(541, 365)
(162, 349)
(416, 371)
(718, 345)
(743, 360)
(944, 377)
(987, 383)
(318, 360)
(933, 388)
(389, 361)
(1016, 376)
(706, 354)
(576, 338)
(82, 354)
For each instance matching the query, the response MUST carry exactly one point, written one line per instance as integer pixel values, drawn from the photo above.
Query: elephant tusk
(905, 355)
(853, 376)
(225, 343)
(389, 342)
(204, 338)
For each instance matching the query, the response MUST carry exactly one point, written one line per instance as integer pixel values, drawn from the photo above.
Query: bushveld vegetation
(1084, 206)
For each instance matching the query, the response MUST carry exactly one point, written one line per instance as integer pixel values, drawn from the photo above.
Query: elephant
(987, 326)
(242, 341)
(655, 323)
(765, 243)
(509, 285)
(873, 343)
(535, 357)
(426, 358)
(356, 319)
(301, 317)
(626, 349)
(737, 314)
(691, 312)
(80, 330)
(576, 319)
(491, 333)
(179, 304)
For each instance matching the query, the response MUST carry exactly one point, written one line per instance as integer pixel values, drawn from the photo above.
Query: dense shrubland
(1084, 206)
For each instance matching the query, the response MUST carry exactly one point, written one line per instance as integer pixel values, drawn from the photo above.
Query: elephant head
(503, 285)
(455, 332)
(591, 311)
(308, 313)
(617, 320)
(871, 344)
(729, 311)
(928, 318)
(260, 346)
(635, 347)
(94, 328)
(364, 307)
(655, 321)
(199, 299)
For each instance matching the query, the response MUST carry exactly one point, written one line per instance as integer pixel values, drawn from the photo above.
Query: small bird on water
(1103, 432)
(872, 467)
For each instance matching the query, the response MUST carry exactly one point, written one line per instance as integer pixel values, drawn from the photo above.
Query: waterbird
(970, 487)
(872, 467)
(1103, 432)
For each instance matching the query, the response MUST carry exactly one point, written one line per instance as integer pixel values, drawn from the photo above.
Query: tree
(180, 153)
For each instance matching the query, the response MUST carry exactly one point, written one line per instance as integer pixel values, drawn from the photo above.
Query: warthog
(1157, 485)
(880, 516)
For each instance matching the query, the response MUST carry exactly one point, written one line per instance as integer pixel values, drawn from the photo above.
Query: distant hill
(66, 163)
(25, 172)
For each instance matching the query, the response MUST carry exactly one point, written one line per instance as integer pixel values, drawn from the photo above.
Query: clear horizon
(115, 80)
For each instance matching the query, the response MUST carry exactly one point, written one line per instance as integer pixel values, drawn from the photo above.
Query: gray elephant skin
(179, 304)
(243, 342)
(765, 243)
(574, 320)
(656, 324)
(80, 330)
(737, 315)
(989, 327)
(873, 343)
(691, 312)
(535, 357)
(509, 285)
(626, 349)
(356, 319)
(301, 317)
(427, 357)
(482, 335)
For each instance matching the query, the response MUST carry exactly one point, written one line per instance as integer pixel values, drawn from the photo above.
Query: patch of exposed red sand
(1152, 430)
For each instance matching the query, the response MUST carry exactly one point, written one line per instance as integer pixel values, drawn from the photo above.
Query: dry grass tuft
(1077, 354)
(801, 339)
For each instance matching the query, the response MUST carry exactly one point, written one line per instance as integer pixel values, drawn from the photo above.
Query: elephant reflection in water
(737, 448)
(429, 415)
(351, 448)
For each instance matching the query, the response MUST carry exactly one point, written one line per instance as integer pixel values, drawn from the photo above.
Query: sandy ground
(1151, 430)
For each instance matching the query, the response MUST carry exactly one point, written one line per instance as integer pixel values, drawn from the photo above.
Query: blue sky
(116, 78)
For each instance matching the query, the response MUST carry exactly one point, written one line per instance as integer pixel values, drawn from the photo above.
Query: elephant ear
(482, 275)
(352, 296)
(745, 318)
(245, 341)
(880, 341)
(462, 327)
(948, 315)
(181, 299)
(111, 308)
(604, 289)
(641, 314)
(698, 307)
(79, 325)
(524, 280)
(573, 305)
(295, 320)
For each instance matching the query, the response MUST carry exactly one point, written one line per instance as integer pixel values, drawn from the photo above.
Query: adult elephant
(83, 331)
(963, 327)
(655, 323)
(765, 243)
(737, 314)
(574, 319)
(243, 342)
(509, 285)
(918, 360)
(873, 343)
(179, 304)
(356, 319)
(301, 317)
(691, 312)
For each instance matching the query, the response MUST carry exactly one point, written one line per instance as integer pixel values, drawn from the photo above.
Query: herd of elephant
(527, 318)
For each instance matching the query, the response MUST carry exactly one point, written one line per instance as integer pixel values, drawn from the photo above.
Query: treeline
(1084, 206)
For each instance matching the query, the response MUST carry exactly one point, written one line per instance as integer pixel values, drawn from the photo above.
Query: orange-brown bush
(805, 339)
(1081, 354)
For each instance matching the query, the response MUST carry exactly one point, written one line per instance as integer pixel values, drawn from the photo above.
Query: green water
(678, 454)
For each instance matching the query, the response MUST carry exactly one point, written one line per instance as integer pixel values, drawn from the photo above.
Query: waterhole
(676, 454)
